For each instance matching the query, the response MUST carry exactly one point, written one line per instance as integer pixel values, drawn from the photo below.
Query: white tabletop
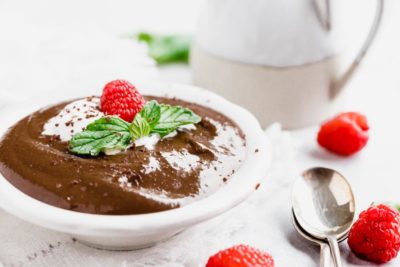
(55, 50)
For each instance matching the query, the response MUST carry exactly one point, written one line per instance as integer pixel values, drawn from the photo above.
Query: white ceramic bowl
(123, 232)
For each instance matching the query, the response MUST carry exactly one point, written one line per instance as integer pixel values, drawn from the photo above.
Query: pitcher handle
(338, 84)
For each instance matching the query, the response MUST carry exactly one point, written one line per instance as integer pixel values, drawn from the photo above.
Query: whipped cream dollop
(73, 118)
(148, 141)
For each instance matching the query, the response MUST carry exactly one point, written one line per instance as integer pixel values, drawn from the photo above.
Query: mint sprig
(113, 133)
(102, 134)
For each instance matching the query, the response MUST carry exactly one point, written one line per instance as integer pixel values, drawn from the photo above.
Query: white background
(52, 50)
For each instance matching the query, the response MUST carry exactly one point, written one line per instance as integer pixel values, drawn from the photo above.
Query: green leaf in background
(166, 49)
(105, 133)
(151, 112)
(139, 127)
(172, 117)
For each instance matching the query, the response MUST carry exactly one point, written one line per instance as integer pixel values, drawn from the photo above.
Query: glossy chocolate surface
(136, 181)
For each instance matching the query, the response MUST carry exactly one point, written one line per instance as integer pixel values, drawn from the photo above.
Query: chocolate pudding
(154, 174)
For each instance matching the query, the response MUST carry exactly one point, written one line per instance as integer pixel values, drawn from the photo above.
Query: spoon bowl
(323, 203)
(324, 206)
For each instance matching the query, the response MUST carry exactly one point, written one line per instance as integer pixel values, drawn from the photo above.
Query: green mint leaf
(173, 117)
(151, 112)
(111, 134)
(106, 133)
(165, 49)
(139, 127)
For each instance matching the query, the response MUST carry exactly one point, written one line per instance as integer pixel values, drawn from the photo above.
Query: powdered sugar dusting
(73, 118)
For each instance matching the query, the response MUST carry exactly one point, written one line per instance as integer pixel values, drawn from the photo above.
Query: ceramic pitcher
(277, 58)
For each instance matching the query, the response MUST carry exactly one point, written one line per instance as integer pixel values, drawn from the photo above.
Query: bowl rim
(243, 182)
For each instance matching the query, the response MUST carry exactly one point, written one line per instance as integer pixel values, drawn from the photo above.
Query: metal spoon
(324, 206)
(325, 254)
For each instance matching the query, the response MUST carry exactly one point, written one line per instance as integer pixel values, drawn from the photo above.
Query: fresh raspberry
(375, 236)
(241, 256)
(121, 98)
(345, 134)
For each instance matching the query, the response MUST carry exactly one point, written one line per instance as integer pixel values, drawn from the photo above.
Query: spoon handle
(325, 255)
(333, 244)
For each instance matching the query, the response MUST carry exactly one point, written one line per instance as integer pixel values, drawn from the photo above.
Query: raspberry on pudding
(121, 98)
(121, 153)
